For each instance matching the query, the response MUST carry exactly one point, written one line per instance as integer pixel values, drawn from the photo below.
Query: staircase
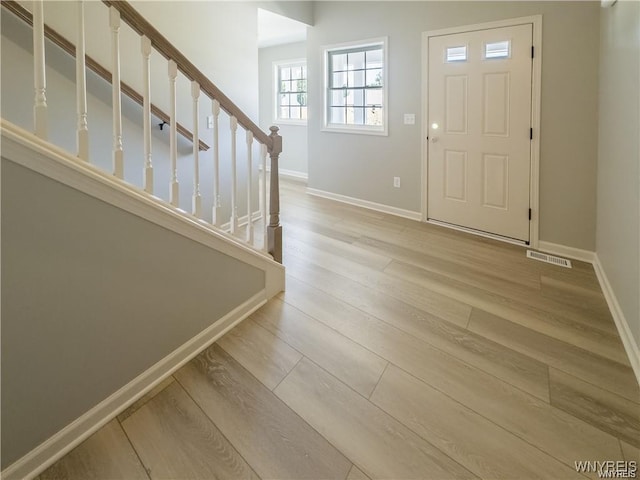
(110, 280)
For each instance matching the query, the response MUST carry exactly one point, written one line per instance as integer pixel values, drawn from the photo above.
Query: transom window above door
(356, 88)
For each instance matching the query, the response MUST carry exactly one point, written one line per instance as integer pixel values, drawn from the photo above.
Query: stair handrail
(163, 46)
(273, 142)
(65, 44)
(270, 144)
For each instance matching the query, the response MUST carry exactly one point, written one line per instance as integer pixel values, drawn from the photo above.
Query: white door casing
(479, 115)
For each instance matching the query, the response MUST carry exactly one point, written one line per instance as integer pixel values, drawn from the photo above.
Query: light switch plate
(409, 118)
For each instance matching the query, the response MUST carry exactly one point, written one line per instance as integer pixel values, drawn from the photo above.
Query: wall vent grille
(543, 257)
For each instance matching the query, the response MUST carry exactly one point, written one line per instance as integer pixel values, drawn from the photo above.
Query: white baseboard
(378, 207)
(293, 175)
(569, 252)
(628, 340)
(65, 440)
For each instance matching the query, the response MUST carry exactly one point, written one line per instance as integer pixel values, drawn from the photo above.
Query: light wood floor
(399, 351)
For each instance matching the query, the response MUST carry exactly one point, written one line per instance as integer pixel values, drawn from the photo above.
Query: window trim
(277, 65)
(357, 129)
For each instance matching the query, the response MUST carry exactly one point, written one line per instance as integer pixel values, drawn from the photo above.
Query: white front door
(479, 114)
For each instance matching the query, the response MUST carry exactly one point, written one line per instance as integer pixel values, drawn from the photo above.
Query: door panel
(495, 175)
(495, 104)
(479, 113)
(455, 109)
(455, 175)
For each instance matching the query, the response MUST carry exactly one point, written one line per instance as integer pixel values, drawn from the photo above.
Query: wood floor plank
(347, 360)
(356, 474)
(378, 228)
(576, 294)
(379, 444)
(555, 432)
(267, 357)
(515, 368)
(320, 229)
(176, 440)
(439, 305)
(573, 278)
(306, 249)
(592, 311)
(466, 248)
(442, 259)
(268, 434)
(145, 398)
(563, 356)
(106, 455)
(607, 344)
(503, 254)
(323, 217)
(349, 251)
(603, 409)
(377, 301)
(481, 446)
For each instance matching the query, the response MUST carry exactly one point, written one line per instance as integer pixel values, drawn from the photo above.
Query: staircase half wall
(105, 292)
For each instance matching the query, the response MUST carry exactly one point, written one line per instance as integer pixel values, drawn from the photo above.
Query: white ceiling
(274, 29)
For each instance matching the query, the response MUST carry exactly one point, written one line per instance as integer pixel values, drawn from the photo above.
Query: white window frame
(358, 129)
(276, 91)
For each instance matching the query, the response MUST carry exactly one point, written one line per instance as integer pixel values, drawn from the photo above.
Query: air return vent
(543, 257)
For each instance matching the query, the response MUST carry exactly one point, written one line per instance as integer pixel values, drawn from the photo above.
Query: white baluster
(215, 109)
(263, 206)
(173, 134)
(249, 186)
(114, 23)
(234, 193)
(197, 199)
(82, 138)
(146, 113)
(39, 78)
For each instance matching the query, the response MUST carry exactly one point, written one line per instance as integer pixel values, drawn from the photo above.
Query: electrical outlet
(210, 122)
(396, 182)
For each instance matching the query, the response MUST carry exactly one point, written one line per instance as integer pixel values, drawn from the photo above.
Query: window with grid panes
(356, 94)
(291, 92)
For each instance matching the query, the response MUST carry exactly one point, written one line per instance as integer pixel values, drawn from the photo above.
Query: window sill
(356, 129)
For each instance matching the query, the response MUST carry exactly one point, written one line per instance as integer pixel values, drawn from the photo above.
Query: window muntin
(291, 92)
(355, 97)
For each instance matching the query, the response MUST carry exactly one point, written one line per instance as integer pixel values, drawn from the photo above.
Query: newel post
(274, 230)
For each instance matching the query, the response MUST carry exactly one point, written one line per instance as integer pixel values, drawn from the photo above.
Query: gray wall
(618, 242)
(92, 296)
(362, 166)
(301, 11)
(294, 153)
